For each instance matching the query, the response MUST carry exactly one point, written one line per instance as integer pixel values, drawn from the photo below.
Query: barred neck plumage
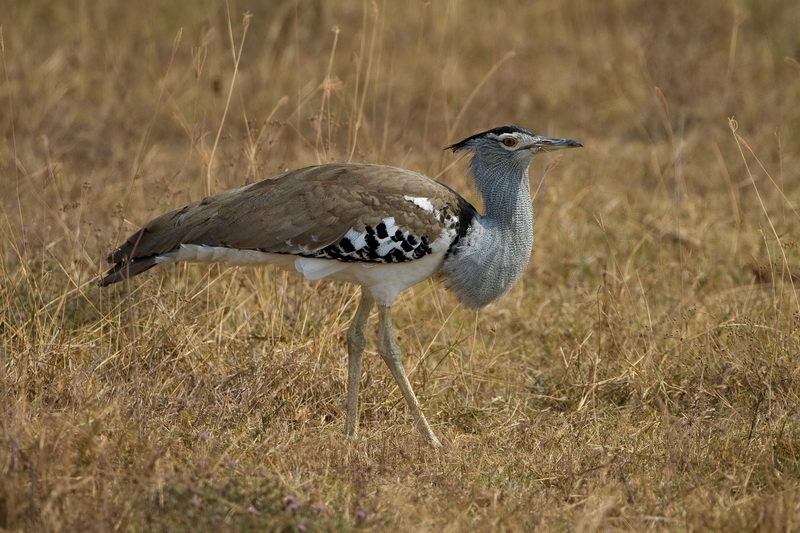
(493, 254)
(504, 188)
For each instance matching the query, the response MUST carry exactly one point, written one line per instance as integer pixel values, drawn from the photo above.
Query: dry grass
(644, 376)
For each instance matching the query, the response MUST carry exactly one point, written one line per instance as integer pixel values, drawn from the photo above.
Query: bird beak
(546, 144)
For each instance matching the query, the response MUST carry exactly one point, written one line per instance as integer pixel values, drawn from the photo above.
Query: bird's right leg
(355, 347)
(394, 360)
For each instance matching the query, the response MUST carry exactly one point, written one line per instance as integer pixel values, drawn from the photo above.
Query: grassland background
(645, 375)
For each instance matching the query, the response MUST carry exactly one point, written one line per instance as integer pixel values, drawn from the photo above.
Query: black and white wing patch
(383, 243)
(388, 242)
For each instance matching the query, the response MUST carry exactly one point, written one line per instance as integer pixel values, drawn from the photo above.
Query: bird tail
(126, 269)
(126, 261)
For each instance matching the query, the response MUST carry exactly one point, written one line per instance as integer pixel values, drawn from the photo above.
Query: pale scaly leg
(393, 358)
(355, 347)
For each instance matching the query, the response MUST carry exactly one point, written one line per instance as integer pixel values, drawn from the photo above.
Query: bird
(380, 227)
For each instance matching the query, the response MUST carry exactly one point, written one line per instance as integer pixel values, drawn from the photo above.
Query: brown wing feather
(307, 208)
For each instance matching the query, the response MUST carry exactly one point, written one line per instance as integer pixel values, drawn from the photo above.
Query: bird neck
(505, 191)
(492, 255)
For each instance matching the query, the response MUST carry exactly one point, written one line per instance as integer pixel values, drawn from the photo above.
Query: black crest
(496, 131)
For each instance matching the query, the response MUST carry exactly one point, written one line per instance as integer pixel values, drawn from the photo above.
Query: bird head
(510, 142)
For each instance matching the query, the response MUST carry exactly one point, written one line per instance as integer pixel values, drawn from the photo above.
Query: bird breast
(484, 264)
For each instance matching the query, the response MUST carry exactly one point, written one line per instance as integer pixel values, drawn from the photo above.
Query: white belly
(383, 280)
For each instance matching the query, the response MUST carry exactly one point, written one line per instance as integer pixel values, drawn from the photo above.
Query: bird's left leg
(355, 347)
(393, 358)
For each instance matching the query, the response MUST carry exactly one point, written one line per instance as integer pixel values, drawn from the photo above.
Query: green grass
(643, 376)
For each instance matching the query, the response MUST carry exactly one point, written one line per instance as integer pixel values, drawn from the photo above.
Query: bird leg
(355, 347)
(393, 358)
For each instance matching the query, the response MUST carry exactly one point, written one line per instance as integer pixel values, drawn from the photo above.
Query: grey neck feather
(492, 256)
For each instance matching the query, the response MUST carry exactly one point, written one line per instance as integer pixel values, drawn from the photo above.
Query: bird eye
(509, 141)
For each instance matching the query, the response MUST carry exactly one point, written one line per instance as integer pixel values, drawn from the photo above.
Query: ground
(643, 376)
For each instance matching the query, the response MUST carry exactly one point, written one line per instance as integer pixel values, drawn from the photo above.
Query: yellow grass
(644, 376)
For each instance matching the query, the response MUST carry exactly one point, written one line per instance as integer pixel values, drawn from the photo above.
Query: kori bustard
(380, 227)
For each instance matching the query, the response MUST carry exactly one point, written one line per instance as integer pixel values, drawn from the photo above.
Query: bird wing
(319, 211)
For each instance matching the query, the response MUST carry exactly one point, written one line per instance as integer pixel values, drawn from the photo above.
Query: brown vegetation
(646, 374)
